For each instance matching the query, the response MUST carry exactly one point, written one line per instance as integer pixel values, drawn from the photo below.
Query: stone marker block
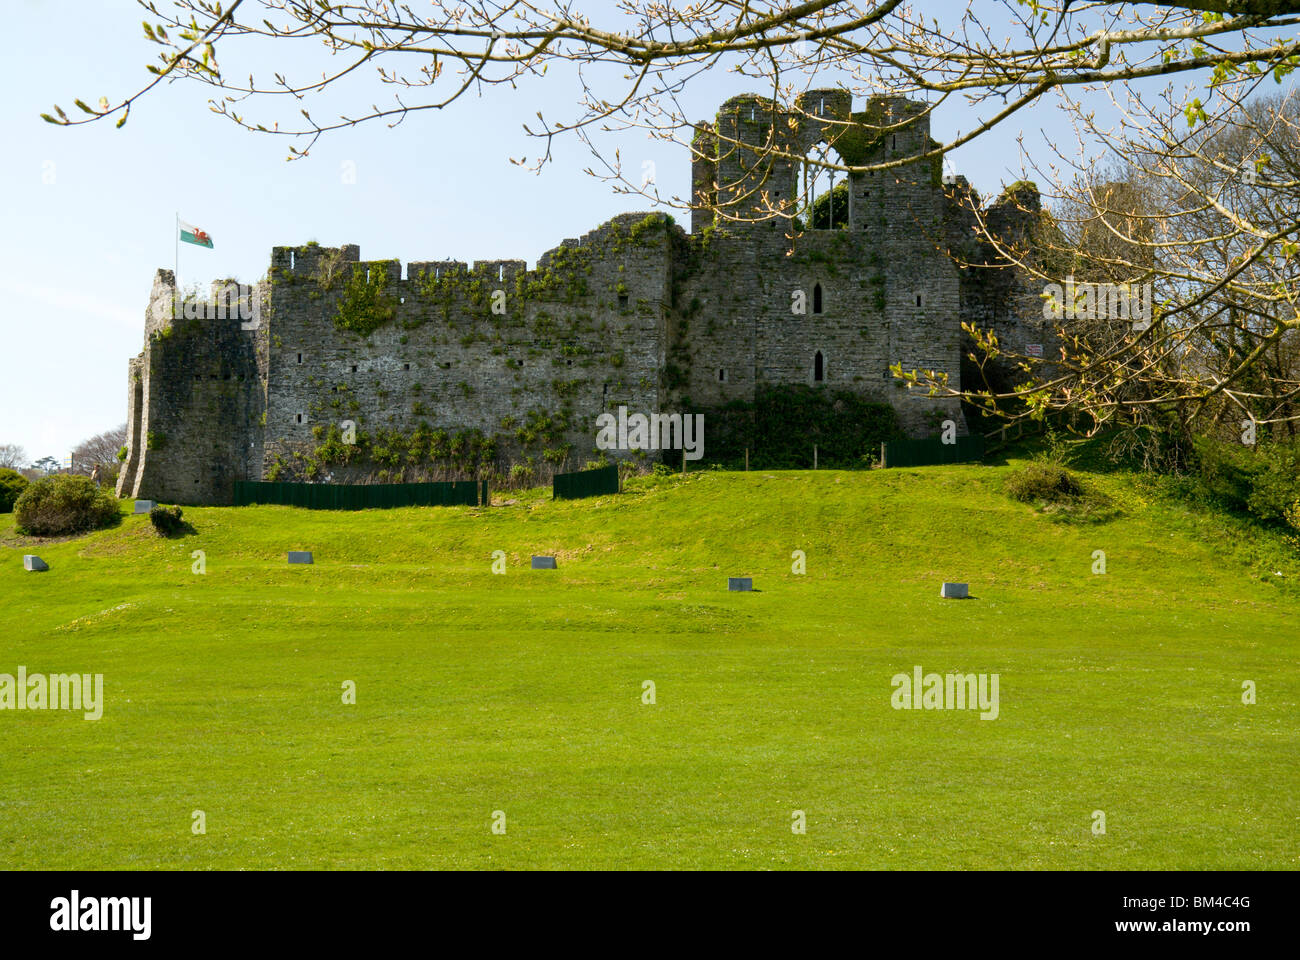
(144, 506)
(34, 563)
(955, 591)
(740, 583)
(544, 563)
(300, 556)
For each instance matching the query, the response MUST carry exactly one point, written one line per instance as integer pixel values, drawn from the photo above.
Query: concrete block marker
(544, 563)
(34, 563)
(745, 584)
(143, 506)
(300, 556)
(955, 591)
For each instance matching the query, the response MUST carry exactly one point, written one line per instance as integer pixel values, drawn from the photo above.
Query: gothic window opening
(819, 368)
(825, 197)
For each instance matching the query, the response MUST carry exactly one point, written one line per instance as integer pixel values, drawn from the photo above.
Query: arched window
(817, 298)
(819, 368)
(824, 191)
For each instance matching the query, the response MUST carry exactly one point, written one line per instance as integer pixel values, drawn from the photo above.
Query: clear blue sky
(88, 211)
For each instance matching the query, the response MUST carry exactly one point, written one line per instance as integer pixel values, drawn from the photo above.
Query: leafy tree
(12, 484)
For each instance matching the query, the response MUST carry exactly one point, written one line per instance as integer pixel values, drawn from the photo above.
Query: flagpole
(176, 260)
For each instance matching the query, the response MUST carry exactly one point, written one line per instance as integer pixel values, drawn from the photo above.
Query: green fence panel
(931, 450)
(585, 483)
(359, 496)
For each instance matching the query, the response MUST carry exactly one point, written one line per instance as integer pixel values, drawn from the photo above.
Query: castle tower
(753, 179)
(704, 176)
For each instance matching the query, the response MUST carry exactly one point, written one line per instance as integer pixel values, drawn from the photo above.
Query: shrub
(61, 504)
(1263, 482)
(1048, 482)
(12, 484)
(167, 520)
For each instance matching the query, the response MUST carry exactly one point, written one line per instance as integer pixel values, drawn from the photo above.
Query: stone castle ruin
(497, 364)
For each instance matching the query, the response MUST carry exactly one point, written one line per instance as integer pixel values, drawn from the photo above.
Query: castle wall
(635, 313)
(126, 478)
(470, 348)
(996, 295)
(196, 407)
(888, 291)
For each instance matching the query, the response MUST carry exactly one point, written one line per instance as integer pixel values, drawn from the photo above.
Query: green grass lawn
(523, 693)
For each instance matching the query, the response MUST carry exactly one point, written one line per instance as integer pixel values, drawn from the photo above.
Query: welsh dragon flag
(192, 234)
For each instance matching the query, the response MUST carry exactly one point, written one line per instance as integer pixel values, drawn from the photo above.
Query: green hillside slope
(522, 692)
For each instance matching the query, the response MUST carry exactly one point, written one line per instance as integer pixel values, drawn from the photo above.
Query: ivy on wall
(364, 304)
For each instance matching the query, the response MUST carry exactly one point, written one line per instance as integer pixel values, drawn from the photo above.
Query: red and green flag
(192, 234)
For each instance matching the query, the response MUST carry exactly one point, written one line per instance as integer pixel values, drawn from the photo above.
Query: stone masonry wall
(197, 399)
(888, 293)
(580, 333)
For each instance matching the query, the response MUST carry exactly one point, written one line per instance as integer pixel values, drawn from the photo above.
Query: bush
(1047, 482)
(167, 521)
(1263, 482)
(62, 504)
(12, 484)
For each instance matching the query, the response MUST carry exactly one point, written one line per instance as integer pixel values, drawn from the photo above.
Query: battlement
(305, 260)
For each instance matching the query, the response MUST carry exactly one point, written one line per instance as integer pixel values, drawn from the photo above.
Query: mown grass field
(523, 693)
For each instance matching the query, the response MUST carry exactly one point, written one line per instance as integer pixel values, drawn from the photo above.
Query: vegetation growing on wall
(562, 277)
(364, 305)
(391, 455)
